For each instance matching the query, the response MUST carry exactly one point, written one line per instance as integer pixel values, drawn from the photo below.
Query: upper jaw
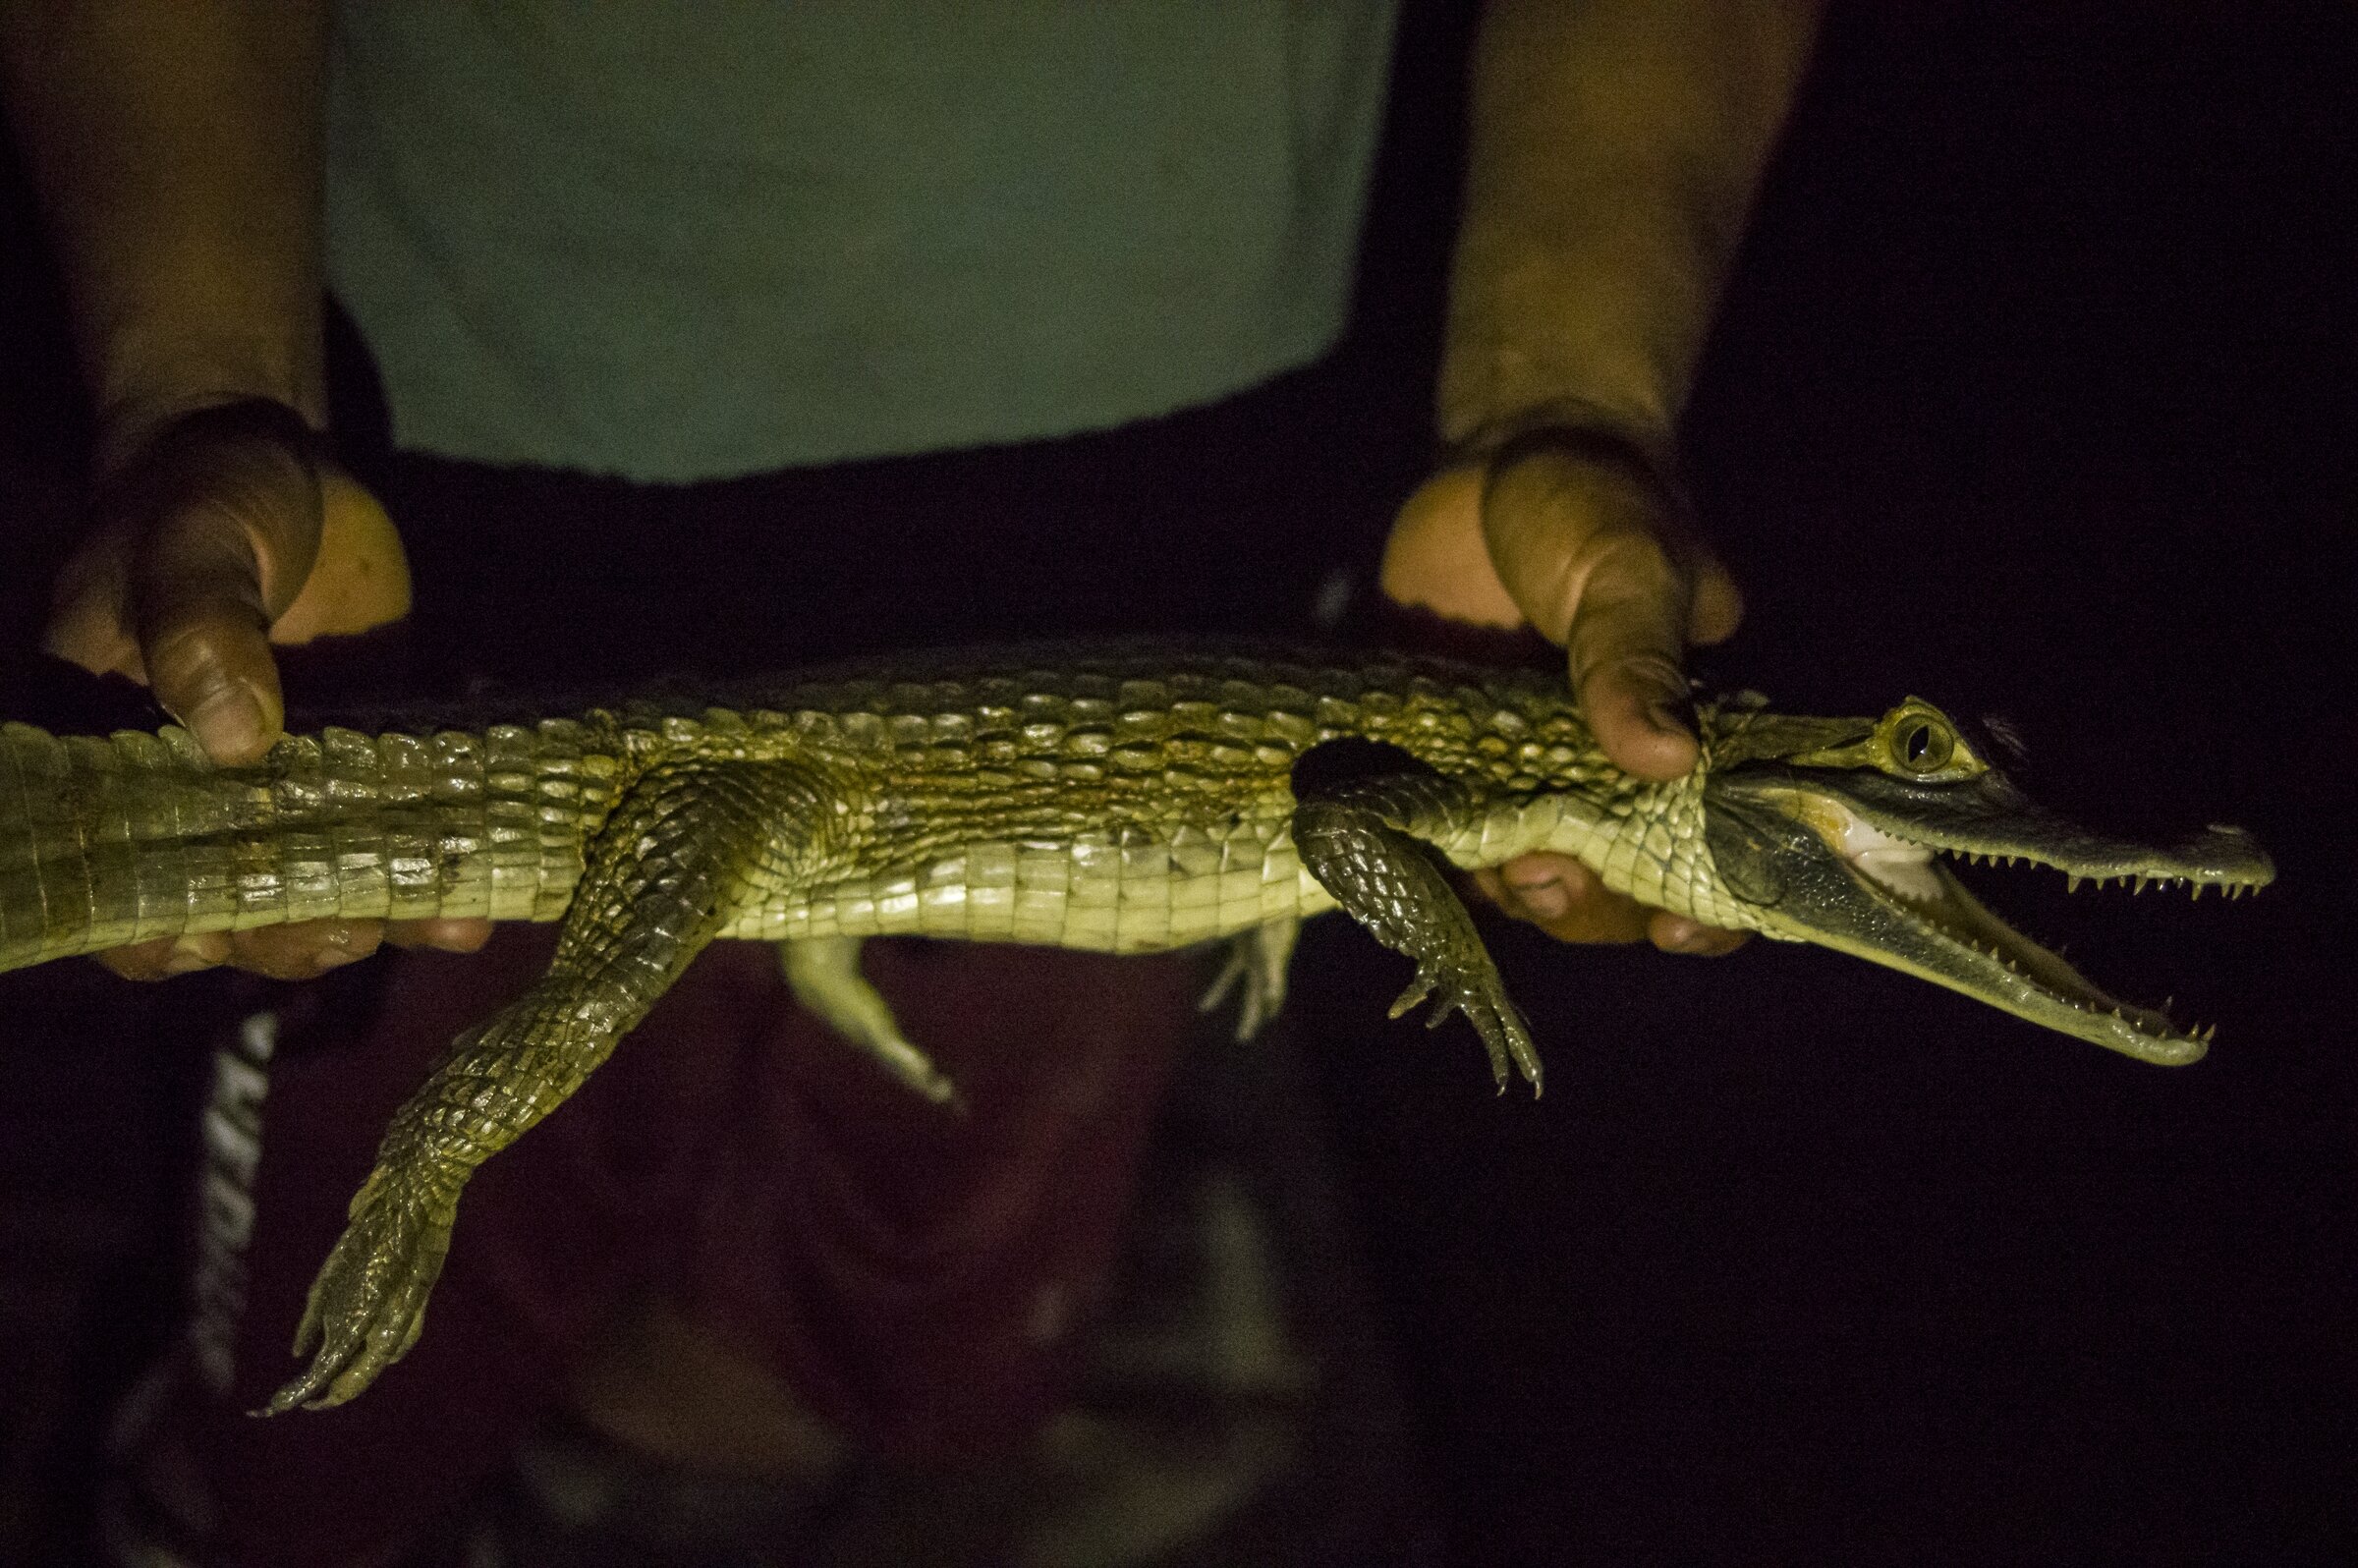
(1878, 888)
(1989, 820)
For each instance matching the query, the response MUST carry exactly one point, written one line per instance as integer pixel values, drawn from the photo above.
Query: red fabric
(915, 1274)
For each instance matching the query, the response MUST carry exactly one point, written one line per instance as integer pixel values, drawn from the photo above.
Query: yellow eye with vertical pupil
(1914, 741)
(1922, 747)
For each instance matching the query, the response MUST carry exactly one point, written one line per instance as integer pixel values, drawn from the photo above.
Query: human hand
(1574, 538)
(216, 533)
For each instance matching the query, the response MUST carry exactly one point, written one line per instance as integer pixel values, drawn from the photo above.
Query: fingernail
(227, 721)
(1668, 715)
(1687, 937)
(336, 949)
(186, 958)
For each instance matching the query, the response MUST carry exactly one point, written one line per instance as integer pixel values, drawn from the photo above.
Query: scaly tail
(109, 842)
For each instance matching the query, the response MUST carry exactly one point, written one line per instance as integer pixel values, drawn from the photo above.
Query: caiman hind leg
(823, 973)
(682, 850)
(1364, 840)
(1257, 959)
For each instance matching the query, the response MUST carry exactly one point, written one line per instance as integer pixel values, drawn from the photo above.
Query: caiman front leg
(1364, 840)
(681, 851)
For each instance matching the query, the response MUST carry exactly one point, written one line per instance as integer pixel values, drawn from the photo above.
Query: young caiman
(1119, 799)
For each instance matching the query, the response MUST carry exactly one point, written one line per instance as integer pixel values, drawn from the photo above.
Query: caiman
(1113, 798)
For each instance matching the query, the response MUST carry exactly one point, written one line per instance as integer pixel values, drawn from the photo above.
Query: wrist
(1564, 421)
(131, 423)
(1571, 429)
(147, 368)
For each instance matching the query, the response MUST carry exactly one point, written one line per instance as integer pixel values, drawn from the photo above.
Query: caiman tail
(105, 842)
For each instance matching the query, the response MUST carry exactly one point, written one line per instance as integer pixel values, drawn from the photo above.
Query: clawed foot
(368, 1301)
(1476, 992)
(1257, 963)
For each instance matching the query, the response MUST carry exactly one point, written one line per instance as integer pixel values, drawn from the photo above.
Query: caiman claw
(368, 1301)
(1476, 992)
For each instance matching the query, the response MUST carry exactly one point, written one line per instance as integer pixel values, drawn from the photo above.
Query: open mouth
(1972, 949)
(1912, 877)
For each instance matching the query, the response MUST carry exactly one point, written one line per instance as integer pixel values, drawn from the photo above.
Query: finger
(1676, 933)
(1565, 899)
(223, 512)
(1436, 557)
(1545, 887)
(1718, 607)
(1625, 649)
(89, 615)
(304, 949)
(359, 577)
(211, 669)
(203, 586)
(443, 935)
(166, 956)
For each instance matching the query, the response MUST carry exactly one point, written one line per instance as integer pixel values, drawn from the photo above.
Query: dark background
(2032, 395)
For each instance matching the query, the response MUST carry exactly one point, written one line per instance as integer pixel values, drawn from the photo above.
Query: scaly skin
(1121, 800)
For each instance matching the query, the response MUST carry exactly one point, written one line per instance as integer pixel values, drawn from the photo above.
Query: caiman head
(1833, 830)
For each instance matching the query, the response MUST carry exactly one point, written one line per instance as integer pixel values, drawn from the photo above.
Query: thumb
(1626, 647)
(1590, 542)
(203, 634)
(222, 512)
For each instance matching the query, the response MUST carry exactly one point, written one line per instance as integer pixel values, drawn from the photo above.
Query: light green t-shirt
(689, 241)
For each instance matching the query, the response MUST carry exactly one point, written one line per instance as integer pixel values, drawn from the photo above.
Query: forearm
(173, 145)
(1615, 147)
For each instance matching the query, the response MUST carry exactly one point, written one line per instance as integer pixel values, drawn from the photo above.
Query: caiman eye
(1914, 741)
(1924, 747)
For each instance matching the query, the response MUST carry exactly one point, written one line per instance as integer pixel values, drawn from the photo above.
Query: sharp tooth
(2071, 884)
(2138, 888)
(2198, 890)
